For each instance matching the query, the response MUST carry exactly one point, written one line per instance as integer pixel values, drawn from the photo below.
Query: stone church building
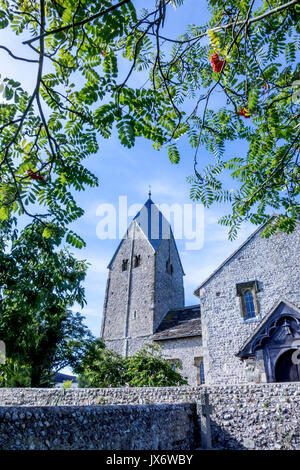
(249, 325)
(250, 312)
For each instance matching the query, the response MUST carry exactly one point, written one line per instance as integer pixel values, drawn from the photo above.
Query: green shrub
(147, 368)
(67, 384)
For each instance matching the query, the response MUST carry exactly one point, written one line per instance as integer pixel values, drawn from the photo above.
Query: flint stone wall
(246, 416)
(125, 427)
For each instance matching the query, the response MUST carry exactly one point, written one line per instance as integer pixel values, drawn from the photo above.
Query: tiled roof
(180, 323)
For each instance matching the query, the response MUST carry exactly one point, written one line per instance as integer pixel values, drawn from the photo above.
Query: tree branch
(79, 23)
(16, 57)
(235, 23)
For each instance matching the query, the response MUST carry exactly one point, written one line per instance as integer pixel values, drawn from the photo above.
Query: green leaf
(4, 213)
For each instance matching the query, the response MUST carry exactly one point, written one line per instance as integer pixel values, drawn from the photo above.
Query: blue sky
(129, 172)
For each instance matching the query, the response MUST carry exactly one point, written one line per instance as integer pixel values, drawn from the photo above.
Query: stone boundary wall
(259, 416)
(246, 416)
(125, 427)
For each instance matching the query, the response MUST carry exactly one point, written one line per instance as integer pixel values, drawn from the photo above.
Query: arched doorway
(274, 343)
(285, 369)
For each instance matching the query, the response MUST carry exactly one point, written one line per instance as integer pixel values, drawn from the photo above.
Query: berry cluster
(244, 112)
(36, 176)
(216, 63)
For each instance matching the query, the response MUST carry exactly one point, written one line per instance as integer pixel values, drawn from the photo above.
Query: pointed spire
(149, 193)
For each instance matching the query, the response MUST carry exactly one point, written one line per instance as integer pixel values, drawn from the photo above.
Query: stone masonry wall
(185, 350)
(247, 416)
(132, 297)
(263, 416)
(138, 298)
(141, 304)
(274, 263)
(169, 290)
(125, 427)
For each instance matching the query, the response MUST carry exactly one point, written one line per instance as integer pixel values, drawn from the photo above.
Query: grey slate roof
(180, 323)
(150, 220)
(60, 377)
(153, 224)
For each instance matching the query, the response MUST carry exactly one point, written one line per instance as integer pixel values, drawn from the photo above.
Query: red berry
(216, 63)
(245, 113)
(36, 176)
(214, 58)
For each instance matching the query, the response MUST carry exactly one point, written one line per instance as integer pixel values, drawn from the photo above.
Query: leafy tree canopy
(245, 55)
(102, 367)
(38, 285)
(147, 368)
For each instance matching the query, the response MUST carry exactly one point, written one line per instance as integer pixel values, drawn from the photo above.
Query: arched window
(249, 304)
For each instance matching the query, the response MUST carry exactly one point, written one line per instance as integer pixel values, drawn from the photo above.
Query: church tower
(145, 282)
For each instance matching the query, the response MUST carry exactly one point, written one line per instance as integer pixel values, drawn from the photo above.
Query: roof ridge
(196, 292)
